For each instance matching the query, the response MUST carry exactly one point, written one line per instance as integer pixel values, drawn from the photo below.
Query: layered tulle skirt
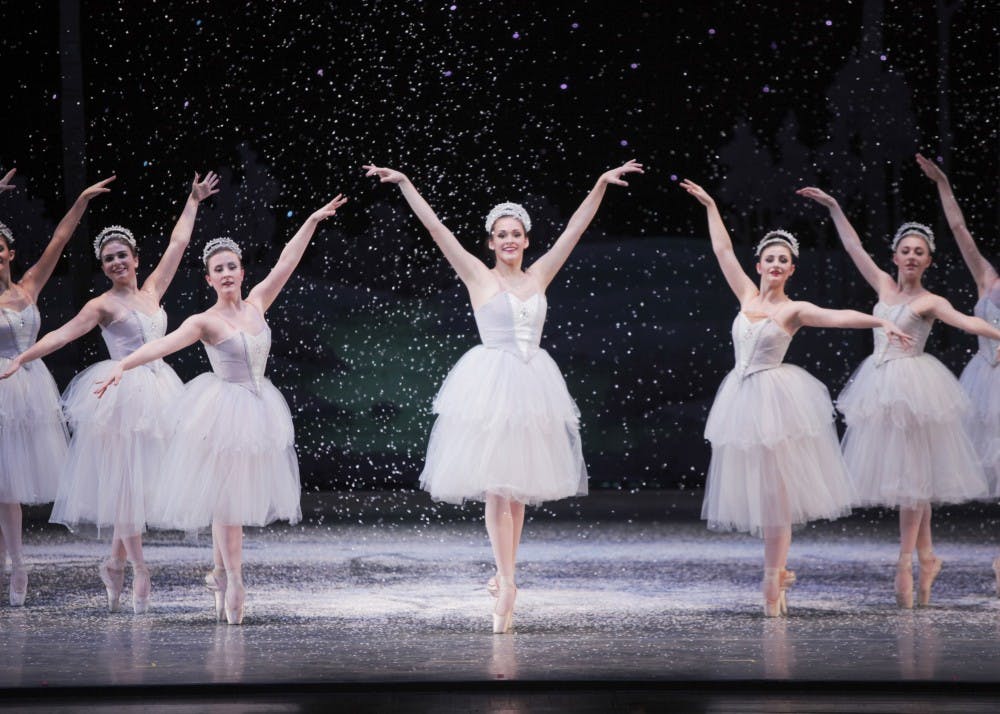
(507, 426)
(232, 457)
(905, 443)
(33, 436)
(775, 457)
(112, 472)
(981, 382)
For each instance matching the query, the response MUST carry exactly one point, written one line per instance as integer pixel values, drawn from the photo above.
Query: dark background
(484, 102)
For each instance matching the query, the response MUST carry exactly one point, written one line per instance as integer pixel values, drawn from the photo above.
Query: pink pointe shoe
(18, 585)
(929, 569)
(140, 582)
(112, 572)
(215, 580)
(503, 611)
(772, 580)
(235, 597)
(904, 582)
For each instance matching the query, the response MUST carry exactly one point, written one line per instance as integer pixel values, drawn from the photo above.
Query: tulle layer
(505, 426)
(33, 436)
(231, 459)
(981, 383)
(112, 474)
(905, 442)
(775, 457)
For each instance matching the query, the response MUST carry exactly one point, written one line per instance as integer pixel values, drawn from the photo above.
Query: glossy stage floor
(626, 603)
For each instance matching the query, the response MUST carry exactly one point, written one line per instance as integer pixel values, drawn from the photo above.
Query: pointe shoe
(140, 576)
(904, 582)
(503, 611)
(929, 569)
(112, 572)
(772, 608)
(235, 597)
(785, 581)
(18, 585)
(996, 573)
(215, 580)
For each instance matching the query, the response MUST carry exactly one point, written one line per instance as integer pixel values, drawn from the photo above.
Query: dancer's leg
(930, 564)
(777, 542)
(228, 539)
(10, 526)
(132, 544)
(500, 525)
(909, 530)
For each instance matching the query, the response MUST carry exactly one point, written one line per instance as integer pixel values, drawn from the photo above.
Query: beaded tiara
(515, 210)
(113, 233)
(912, 228)
(217, 245)
(778, 236)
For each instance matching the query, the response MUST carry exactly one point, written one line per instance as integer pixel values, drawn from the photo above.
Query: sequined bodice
(127, 334)
(18, 330)
(508, 323)
(241, 358)
(989, 311)
(917, 327)
(758, 345)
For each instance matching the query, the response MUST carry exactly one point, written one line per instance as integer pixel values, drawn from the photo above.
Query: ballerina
(507, 431)
(110, 476)
(981, 377)
(33, 435)
(232, 445)
(905, 443)
(775, 457)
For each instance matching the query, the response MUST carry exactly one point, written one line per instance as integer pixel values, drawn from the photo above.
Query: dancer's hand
(385, 175)
(203, 188)
(698, 192)
(115, 379)
(5, 182)
(615, 175)
(817, 195)
(931, 170)
(97, 189)
(329, 209)
(12, 366)
(893, 332)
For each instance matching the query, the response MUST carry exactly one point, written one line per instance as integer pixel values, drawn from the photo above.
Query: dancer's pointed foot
(18, 585)
(215, 580)
(235, 597)
(141, 587)
(503, 611)
(112, 572)
(904, 582)
(930, 566)
(786, 581)
(770, 587)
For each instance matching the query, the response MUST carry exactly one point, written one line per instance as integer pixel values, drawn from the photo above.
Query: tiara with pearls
(7, 234)
(515, 210)
(217, 245)
(117, 233)
(778, 236)
(913, 228)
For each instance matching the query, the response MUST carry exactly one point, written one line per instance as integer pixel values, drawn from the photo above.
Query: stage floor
(606, 606)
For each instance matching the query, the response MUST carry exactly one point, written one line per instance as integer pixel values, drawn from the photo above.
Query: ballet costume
(906, 444)
(33, 436)
(506, 424)
(981, 381)
(232, 451)
(775, 460)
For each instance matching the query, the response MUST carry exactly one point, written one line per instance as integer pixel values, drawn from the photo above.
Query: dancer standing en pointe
(110, 478)
(507, 431)
(775, 457)
(981, 377)
(905, 445)
(32, 432)
(232, 446)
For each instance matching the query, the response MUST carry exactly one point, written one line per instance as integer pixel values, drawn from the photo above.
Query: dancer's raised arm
(159, 280)
(266, 291)
(545, 268)
(982, 270)
(5, 182)
(873, 275)
(35, 277)
(722, 245)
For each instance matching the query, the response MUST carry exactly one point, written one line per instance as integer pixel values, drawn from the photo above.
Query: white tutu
(905, 443)
(775, 457)
(231, 458)
(33, 436)
(112, 474)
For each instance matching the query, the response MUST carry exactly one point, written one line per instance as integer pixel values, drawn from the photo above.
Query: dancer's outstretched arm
(5, 182)
(545, 268)
(810, 315)
(37, 275)
(874, 275)
(159, 280)
(982, 270)
(470, 269)
(940, 308)
(722, 245)
(266, 291)
(84, 321)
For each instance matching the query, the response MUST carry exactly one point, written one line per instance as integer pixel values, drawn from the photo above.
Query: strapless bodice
(758, 345)
(917, 327)
(989, 311)
(241, 358)
(18, 330)
(130, 332)
(508, 323)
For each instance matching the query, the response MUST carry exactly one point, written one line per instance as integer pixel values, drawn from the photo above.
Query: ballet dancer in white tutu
(111, 475)
(231, 458)
(981, 377)
(32, 432)
(507, 431)
(906, 446)
(775, 457)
